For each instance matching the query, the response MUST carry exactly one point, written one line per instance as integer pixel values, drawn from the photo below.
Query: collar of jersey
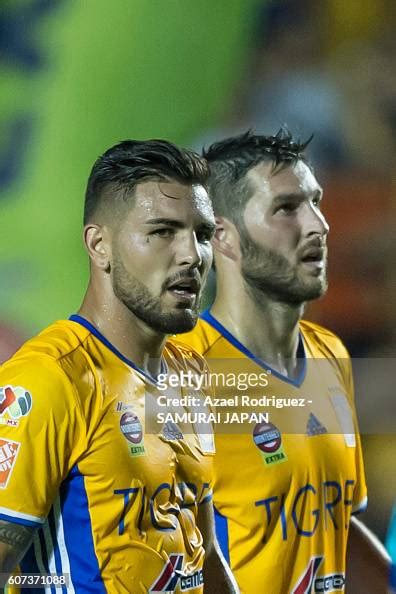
(301, 356)
(83, 322)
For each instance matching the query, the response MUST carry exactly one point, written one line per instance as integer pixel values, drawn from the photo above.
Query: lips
(184, 289)
(313, 254)
(190, 285)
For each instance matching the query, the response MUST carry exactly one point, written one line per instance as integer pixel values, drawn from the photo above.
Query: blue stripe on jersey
(301, 356)
(29, 565)
(44, 555)
(57, 556)
(43, 550)
(84, 566)
(22, 521)
(222, 534)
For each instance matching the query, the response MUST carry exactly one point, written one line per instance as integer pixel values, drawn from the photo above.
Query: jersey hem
(18, 518)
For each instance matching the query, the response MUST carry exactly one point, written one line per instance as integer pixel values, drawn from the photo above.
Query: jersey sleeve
(41, 436)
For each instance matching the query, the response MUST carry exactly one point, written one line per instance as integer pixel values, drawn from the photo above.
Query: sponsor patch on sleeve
(8, 453)
(15, 402)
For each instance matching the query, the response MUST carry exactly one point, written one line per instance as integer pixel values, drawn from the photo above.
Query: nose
(188, 251)
(316, 222)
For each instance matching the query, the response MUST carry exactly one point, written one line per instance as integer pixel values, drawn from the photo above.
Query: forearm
(367, 562)
(218, 578)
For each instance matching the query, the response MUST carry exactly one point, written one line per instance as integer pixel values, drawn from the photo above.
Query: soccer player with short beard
(286, 489)
(87, 491)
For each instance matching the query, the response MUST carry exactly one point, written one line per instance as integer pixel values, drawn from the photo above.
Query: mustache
(315, 242)
(316, 245)
(186, 275)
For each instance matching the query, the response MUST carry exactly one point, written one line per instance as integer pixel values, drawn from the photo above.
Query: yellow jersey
(288, 474)
(115, 505)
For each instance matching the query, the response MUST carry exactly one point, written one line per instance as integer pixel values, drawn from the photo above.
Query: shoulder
(201, 338)
(44, 364)
(58, 340)
(323, 341)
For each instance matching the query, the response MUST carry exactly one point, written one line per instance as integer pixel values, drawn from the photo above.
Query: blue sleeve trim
(362, 508)
(22, 521)
(358, 511)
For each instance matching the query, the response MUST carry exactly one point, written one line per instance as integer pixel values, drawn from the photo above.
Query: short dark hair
(123, 166)
(231, 159)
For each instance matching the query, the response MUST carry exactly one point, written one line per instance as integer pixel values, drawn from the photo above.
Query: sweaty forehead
(169, 199)
(292, 179)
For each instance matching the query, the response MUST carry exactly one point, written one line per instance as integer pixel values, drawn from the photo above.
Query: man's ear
(226, 239)
(96, 239)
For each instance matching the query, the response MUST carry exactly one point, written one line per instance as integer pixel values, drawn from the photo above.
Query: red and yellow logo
(8, 453)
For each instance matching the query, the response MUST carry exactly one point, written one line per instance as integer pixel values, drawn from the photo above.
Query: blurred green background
(76, 78)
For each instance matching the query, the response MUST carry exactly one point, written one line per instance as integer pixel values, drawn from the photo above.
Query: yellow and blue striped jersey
(115, 505)
(285, 485)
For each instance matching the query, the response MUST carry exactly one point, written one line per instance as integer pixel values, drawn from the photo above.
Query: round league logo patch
(131, 427)
(267, 437)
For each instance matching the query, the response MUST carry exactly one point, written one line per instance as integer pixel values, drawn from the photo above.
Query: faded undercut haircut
(116, 173)
(231, 159)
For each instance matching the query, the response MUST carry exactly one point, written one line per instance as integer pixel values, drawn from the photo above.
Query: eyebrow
(179, 224)
(163, 221)
(297, 196)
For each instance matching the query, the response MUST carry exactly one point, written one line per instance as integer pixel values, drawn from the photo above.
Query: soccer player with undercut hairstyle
(286, 485)
(91, 500)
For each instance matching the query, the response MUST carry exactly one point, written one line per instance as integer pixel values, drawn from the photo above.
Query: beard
(136, 296)
(269, 272)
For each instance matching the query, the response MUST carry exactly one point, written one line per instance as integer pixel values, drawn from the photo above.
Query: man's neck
(128, 334)
(269, 329)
